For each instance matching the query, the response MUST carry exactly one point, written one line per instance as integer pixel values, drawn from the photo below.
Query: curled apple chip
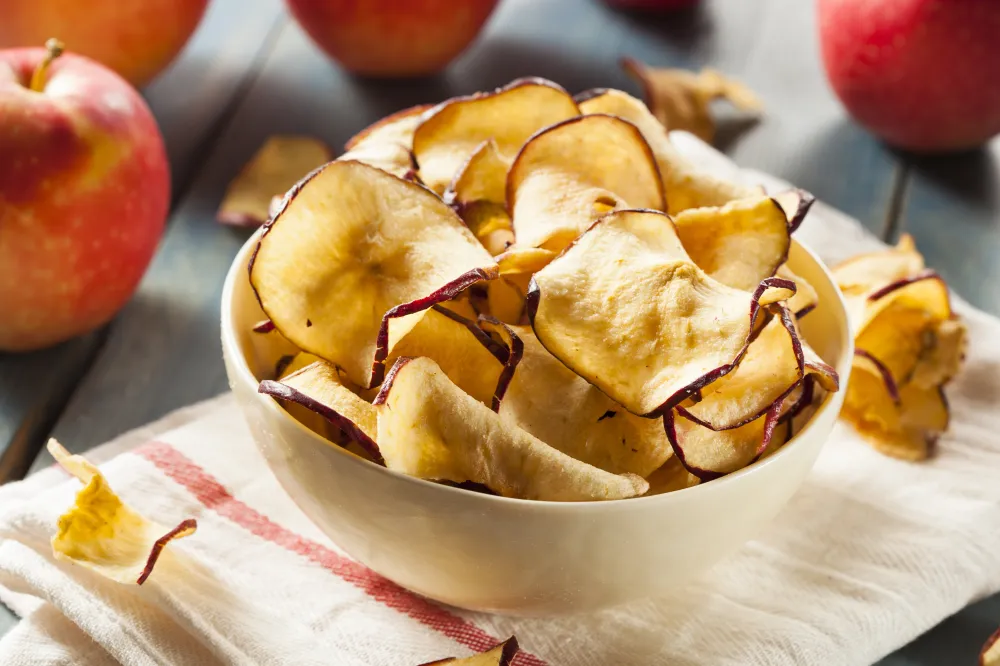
(272, 171)
(453, 130)
(686, 186)
(464, 352)
(394, 158)
(395, 128)
(483, 177)
(506, 295)
(102, 533)
(319, 389)
(501, 654)
(626, 309)
(568, 175)
(431, 429)
(565, 411)
(942, 353)
(353, 248)
(866, 272)
(681, 99)
(990, 654)
(742, 242)
(805, 298)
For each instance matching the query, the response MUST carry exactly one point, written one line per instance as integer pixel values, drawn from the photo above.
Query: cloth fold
(869, 554)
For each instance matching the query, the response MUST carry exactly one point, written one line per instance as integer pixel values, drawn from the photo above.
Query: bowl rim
(231, 348)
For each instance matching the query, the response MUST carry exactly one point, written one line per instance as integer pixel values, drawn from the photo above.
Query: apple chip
(489, 223)
(773, 365)
(353, 248)
(562, 409)
(482, 178)
(572, 173)
(627, 309)
(431, 429)
(102, 533)
(671, 476)
(453, 130)
(272, 171)
(506, 295)
(709, 454)
(501, 654)
(990, 654)
(942, 353)
(681, 99)
(319, 389)
(393, 158)
(740, 243)
(805, 298)
(464, 352)
(685, 185)
(867, 272)
(395, 128)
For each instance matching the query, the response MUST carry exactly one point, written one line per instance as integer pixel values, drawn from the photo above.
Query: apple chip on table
(570, 311)
(908, 345)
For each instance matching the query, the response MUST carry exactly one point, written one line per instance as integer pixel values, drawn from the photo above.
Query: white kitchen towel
(869, 554)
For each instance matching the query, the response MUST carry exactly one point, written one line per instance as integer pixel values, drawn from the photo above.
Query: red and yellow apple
(392, 37)
(921, 74)
(84, 193)
(136, 38)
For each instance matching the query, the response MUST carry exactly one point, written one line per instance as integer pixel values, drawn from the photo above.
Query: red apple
(136, 38)
(392, 37)
(84, 191)
(921, 74)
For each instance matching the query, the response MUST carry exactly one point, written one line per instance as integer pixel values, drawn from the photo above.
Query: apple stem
(55, 49)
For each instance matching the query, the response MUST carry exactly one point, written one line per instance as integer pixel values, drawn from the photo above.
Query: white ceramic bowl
(523, 557)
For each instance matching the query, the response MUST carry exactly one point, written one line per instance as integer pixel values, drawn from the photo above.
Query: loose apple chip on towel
(353, 248)
(626, 309)
(105, 535)
(990, 654)
(743, 242)
(686, 186)
(572, 173)
(431, 429)
(565, 411)
(319, 389)
(866, 272)
(681, 99)
(501, 654)
(280, 163)
(453, 130)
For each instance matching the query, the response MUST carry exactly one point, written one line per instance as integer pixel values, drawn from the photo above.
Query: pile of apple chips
(534, 295)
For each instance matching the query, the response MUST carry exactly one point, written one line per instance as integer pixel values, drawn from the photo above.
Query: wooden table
(250, 72)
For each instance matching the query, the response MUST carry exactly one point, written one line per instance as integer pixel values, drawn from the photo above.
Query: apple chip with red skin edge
(685, 185)
(453, 130)
(102, 533)
(271, 172)
(805, 298)
(570, 174)
(483, 177)
(501, 654)
(866, 272)
(506, 295)
(431, 429)
(319, 389)
(990, 654)
(515, 352)
(565, 411)
(740, 243)
(626, 309)
(681, 99)
(395, 128)
(353, 248)
(465, 353)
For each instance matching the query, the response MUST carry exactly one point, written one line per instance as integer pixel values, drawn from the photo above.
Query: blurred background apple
(392, 38)
(84, 191)
(921, 74)
(136, 38)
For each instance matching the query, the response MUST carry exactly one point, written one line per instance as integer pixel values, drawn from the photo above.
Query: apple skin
(922, 74)
(136, 38)
(84, 193)
(392, 38)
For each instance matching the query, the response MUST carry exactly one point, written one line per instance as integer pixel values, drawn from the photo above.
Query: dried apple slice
(395, 128)
(867, 272)
(740, 243)
(482, 178)
(565, 411)
(681, 99)
(942, 354)
(506, 295)
(431, 429)
(453, 130)
(709, 454)
(319, 389)
(627, 309)
(280, 163)
(671, 476)
(490, 223)
(501, 654)
(568, 175)
(772, 367)
(353, 248)
(463, 351)
(805, 298)
(685, 185)
(102, 533)
(990, 654)
(393, 158)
